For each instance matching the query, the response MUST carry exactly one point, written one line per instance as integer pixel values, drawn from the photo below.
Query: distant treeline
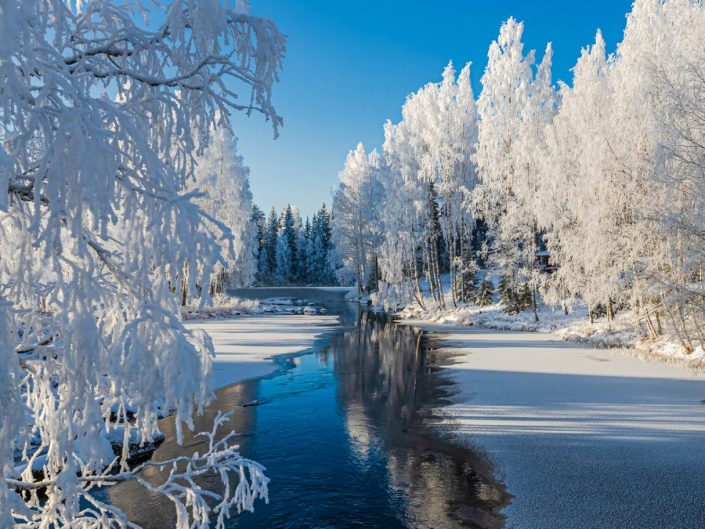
(291, 251)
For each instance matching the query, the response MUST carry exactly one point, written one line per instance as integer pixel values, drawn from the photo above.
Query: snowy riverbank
(582, 437)
(244, 347)
(572, 327)
(227, 307)
(248, 332)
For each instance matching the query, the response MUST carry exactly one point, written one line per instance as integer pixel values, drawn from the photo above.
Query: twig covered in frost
(194, 506)
(104, 106)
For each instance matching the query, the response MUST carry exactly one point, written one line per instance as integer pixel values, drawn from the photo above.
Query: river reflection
(344, 435)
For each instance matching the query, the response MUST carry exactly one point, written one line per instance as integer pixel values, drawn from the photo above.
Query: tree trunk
(681, 338)
(653, 335)
(419, 295)
(610, 310)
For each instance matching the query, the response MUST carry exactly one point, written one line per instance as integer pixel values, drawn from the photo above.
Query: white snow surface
(244, 347)
(583, 438)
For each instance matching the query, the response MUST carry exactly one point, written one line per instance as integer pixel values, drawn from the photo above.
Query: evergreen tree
(507, 293)
(222, 175)
(319, 269)
(282, 262)
(288, 233)
(272, 238)
(302, 257)
(259, 219)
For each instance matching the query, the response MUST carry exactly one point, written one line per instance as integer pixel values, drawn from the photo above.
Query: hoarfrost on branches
(590, 193)
(98, 112)
(223, 177)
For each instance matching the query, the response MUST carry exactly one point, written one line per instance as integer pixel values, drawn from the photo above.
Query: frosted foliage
(429, 158)
(607, 174)
(623, 188)
(514, 107)
(356, 216)
(97, 113)
(577, 151)
(224, 178)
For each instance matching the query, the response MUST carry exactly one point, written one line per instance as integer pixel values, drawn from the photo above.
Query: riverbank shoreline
(254, 347)
(254, 330)
(566, 427)
(573, 327)
(343, 421)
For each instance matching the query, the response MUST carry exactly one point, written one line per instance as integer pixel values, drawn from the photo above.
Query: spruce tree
(289, 235)
(272, 238)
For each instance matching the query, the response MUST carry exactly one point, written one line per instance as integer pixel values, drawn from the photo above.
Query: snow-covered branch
(103, 108)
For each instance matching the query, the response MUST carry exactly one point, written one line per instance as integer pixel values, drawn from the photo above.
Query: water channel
(345, 431)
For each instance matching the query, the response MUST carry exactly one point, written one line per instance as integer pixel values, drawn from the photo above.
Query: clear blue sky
(350, 65)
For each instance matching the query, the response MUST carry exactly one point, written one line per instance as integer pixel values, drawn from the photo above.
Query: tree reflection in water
(389, 385)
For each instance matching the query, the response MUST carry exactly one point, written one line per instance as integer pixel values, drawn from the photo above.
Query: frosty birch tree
(680, 172)
(96, 119)
(430, 178)
(224, 178)
(453, 145)
(574, 184)
(616, 192)
(356, 216)
(514, 107)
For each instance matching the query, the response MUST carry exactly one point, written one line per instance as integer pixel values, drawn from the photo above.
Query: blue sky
(350, 65)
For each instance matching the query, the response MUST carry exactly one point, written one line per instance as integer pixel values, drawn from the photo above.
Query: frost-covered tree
(514, 107)
(289, 228)
(357, 230)
(282, 262)
(319, 251)
(676, 280)
(267, 256)
(430, 179)
(98, 109)
(302, 256)
(619, 150)
(576, 184)
(224, 178)
(259, 220)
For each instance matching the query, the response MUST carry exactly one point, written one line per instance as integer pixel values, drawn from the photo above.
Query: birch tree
(514, 107)
(98, 114)
(223, 177)
(431, 175)
(356, 217)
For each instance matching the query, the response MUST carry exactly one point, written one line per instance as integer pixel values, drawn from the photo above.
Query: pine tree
(302, 257)
(288, 233)
(508, 295)
(282, 262)
(223, 177)
(319, 269)
(272, 240)
(259, 219)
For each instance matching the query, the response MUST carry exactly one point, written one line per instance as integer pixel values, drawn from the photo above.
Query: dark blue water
(344, 434)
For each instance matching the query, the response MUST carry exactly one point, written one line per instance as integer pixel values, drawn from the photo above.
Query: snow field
(583, 438)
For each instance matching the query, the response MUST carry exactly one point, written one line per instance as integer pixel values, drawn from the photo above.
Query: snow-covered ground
(245, 346)
(573, 327)
(583, 438)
